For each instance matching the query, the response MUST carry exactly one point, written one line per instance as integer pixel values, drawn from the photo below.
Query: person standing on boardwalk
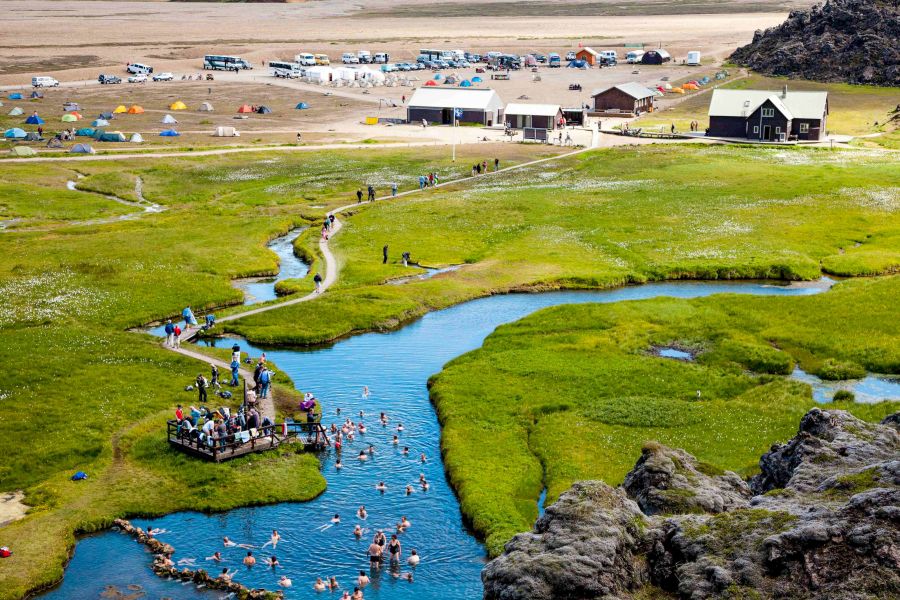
(318, 281)
(358, 196)
(177, 337)
(202, 384)
(170, 334)
(384, 255)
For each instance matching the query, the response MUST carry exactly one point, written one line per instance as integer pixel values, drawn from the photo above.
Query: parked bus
(288, 70)
(225, 63)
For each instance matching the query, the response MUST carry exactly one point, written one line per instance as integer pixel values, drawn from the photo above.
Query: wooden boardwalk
(311, 435)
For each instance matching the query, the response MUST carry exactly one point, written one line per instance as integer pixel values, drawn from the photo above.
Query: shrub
(844, 396)
(837, 370)
(757, 357)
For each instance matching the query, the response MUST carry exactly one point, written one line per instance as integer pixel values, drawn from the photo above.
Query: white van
(364, 56)
(381, 58)
(306, 59)
(138, 68)
(348, 58)
(44, 82)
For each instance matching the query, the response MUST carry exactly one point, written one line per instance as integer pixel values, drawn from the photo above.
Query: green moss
(836, 370)
(844, 396)
(854, 483)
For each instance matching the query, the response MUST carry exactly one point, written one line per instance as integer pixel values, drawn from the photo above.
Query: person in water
(338, 464)
(272, 562)
(357, 594)
(319, 585)
(226, 575)
(285, 582)
(405, 450)
(362, 580)
(336, 518)
(357, 531)
(273, 540)
(413, 559)
(217, 556)
(396, 440)
(375, 553)
(249, 560)
(403, 525)
(361, 513)
(371, 450)
(333, 584)
(381, 487)
(362, 455)
(409, 490)
(395, 549)
(399, 427)
(422, 458)
(365, 393)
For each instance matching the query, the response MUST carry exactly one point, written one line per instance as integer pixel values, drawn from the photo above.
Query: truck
(364, 56)
(381, 58)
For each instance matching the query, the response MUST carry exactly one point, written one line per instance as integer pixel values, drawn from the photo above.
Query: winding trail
(331, 270)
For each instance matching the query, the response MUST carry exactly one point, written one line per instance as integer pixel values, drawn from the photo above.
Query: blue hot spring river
(396, 367)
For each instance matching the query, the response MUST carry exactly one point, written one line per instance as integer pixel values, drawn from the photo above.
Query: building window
(768, 112)
(804, 127)
(777, 130)
(756, 129)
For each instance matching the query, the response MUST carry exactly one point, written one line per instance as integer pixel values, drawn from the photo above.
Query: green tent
(23, 151)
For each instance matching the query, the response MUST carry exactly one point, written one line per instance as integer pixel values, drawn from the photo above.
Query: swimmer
(228, 543)
(405, 450)
(404, 524)
(362, 414)
(400, 427)
(272, 562)
(156, 531)
(249, 560)
(336, 519)
(361, 513)
(187, 562)
(346, 596)
(285, 582)
(384, 419)
(381, 487)
(333, 584)
(421, 477)
(365, 393)
(357, 594)
(413, 559)
(375, 553)
(334, 428)
(363, 579)
(395, 549)
(338, 465)
(319, 585)
(350, 436)
(273, 541)
(371, 449)
(409, 490)
(226, 575)
(396, 440)
(357, 531)
(422, 458)
(361, 427)
(217, 556)
(339, 410)
(362, 455)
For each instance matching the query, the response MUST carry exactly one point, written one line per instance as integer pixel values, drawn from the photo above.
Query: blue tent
(85, 131)
(169, 133)
(100, 123)
(34, 120)
(477, 79)
(465, 83)
(302, 106)
(15, 96)
(577, 64)
(15, 134)
(437, 76)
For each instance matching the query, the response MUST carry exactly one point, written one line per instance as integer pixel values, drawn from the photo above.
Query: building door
(447, 116)
(767, 132)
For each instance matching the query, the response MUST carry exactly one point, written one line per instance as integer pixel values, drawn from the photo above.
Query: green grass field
(573, 392)
(853, 109)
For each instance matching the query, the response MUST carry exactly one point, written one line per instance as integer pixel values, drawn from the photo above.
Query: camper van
(348, 58)
(139, 69)
(381, 58)
(609, 57)
(305, 59)
(555, 61)
(44, 82)
(693, 58)
(634, 56)
(364, 56)
(287, 70)
(322, 60)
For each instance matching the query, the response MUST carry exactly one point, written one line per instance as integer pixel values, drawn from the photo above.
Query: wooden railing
(310, 434)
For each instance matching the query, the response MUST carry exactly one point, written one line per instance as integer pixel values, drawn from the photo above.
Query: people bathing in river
(319, 585)
(273, 539)
(405, 450)
(285, 581)
(376, 555)
(249, 560)
(361, 513)
(381, 487)
(336, 519)
(395, 549)
(272, 562)
(403, 525)
(396, 440)
(217, 556)
(362, 579)
(362, 456)
(357, 531)
(226, 575)
(413, 559)
(409, 490)
(333, 584)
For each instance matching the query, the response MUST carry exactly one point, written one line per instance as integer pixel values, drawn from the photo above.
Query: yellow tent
(120, 109)
(135, 110)
(179, 105)
(677, 90)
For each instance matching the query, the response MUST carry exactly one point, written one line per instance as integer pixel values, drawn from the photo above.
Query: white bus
(288, 70)
(225, 63)
(306, 59)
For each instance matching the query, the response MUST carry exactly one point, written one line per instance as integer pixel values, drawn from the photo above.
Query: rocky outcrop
(667, 480)
(853, 41)
(824, 523)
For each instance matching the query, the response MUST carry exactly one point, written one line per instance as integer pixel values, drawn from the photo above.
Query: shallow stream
(290, 266)
(395, 366)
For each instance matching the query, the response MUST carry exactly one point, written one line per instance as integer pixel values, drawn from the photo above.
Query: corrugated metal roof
(541, 110)
(742, 103)
(452, 97)
(589, 51)
(635, 90)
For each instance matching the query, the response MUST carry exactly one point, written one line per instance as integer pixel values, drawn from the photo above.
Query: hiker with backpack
(265, 379)
(318, 281)
(177, 342)
(202, 384)
(170, 334)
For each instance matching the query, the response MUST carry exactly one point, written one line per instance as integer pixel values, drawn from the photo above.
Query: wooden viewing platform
(311, 435)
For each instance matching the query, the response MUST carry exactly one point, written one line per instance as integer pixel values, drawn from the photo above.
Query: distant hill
(853, 41)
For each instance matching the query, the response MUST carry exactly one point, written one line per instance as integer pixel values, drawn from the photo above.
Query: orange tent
(135, 110)
(76, 114)
(689, 86)
(430, 82)
(246, 108)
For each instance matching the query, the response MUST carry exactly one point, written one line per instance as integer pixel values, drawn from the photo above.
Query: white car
(140, 78)
(163, 77)
(570, 55)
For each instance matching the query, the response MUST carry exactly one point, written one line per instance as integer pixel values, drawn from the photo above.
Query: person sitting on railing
(253, 419)
(267, 422)
(186, 429)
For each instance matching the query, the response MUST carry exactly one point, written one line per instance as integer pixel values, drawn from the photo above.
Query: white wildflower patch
(726, 227)
(887, 198)
(47, 297)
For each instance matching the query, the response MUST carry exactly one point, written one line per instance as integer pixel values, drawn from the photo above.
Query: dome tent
(178, 105)
(465, 83)
(34, 120)
(120, 109)
(245, 108)
(136, 110)
(82, 149)
(136, 139)
(105, 115)
(15, 134)
(100, 123)
(69, 118)
(169, 133)
(430, 83)
(15, 112)
(85, 132)
(112, 136)
(263, 110)
(477, 79)
(23, 151)
(205, 107)
(302, 106)
(168, 120)
(15, 96)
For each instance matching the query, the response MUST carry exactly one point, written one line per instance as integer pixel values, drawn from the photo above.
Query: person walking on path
(496, 164)
(235, 367)
(359, 196)
(265, 380)
(394, 190)
(371, 194)
(484, 166)
(318, 281)
(431, 179)
(170, 334)
(384, 254)
(422, 182)
(177, 343)
(202, 384)
(435, 179)
(405, 259)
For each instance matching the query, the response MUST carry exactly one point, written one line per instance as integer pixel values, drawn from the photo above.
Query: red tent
(246, 108)
(431, 82)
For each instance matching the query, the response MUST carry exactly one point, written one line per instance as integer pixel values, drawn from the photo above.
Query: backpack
(79, 476)
(5, 552)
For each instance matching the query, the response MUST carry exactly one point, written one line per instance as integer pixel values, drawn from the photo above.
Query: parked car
(44, 82)
(540, 58)
(418, 66)
(404, 67)
(570, 55)
(104, 79)
(139, 78)
(443, 64)
(163, 77)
